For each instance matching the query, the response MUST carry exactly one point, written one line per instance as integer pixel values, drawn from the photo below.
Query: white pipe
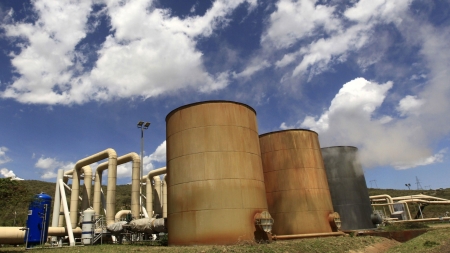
(164, 196)
(66, 213)
(111, 190)
(120, 214)
(386, 197)
(61, 209)
(103, 201)
(57, 200)
(144, 211)
(157, 198)
(87, 191)
(150, 175)
(112, 179)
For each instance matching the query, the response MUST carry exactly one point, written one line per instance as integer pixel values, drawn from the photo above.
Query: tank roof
(208, 102)
(280, 131)
(351, 147)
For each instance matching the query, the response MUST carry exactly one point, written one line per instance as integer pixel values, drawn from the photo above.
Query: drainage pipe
(111, 190)
(112, 180)
(300, 236)
(149, 188)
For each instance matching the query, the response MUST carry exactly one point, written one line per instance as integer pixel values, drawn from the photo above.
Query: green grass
(434, 240)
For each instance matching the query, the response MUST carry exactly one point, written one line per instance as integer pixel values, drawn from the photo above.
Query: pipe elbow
(156, 172)
(87, 170)
(135, 157)
(111, 153)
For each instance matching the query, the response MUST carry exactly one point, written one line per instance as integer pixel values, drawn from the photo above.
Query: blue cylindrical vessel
(38, 220)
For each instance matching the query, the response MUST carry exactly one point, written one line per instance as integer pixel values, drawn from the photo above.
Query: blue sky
(76, 77)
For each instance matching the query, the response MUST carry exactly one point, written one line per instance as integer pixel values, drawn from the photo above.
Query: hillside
(15, 197)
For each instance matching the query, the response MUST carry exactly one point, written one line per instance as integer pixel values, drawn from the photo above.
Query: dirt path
(378, 247)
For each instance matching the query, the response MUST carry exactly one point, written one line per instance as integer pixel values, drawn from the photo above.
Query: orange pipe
(300, 236)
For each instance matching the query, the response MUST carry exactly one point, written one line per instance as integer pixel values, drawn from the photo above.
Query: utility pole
(375, 181)
(419, 187)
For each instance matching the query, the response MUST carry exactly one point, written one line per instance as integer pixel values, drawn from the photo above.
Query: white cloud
(7, 173)
(332, 36)
(294, 20)
(436, 158)
(352, 119)
(3, 157)
(50, 165)
(357, 99)
(159, 156)
(409, 105)
(149, 52)
(252, 69)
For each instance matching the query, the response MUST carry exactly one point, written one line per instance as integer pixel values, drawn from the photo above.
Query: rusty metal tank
(296, 183)
(214, 172)
(348, 187)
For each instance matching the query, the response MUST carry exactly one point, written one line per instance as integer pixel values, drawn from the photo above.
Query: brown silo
(215, 179)
(296, 182)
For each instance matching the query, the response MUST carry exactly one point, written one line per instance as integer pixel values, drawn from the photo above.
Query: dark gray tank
(348, 187)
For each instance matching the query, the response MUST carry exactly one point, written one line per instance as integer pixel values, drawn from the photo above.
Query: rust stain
(216, 179)
(297, 190)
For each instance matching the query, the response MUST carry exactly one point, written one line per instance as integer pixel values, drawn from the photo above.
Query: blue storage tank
(38, 220)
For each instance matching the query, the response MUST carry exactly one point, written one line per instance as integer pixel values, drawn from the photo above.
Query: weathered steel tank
(348, 187)
(296, 183)
(215, 182)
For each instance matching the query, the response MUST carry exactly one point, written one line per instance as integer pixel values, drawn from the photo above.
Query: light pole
(409, 186)
(142, 125)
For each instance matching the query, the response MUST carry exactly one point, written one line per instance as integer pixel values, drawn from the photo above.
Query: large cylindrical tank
(38, 220)
(215, 182)
(296, 184)
(348, 187)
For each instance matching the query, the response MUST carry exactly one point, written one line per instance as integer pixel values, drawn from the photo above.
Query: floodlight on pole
(142, 125)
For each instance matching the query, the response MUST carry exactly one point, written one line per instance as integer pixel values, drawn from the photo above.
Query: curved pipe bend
(149, 188)
(109, 154)
(111, 187)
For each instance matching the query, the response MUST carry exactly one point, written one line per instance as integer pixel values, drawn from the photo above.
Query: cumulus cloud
(3, 157)
(294, 20)
(352, 119)
(409, 104)
(159, 156)
(49, 166)
(147, 53)
(7, 173)
(330, 35)
(436, 158)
